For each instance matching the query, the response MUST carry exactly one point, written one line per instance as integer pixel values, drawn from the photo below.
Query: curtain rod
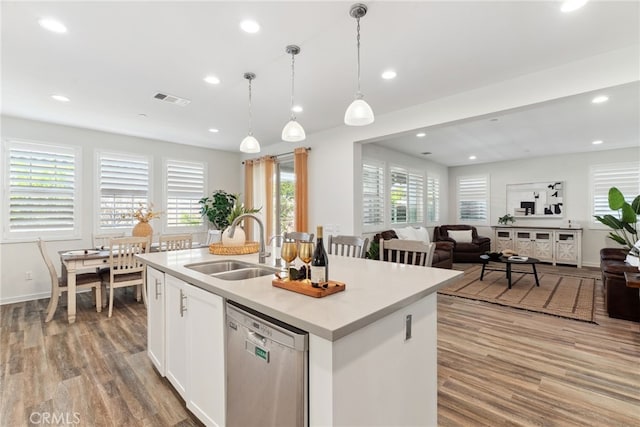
(283, 154)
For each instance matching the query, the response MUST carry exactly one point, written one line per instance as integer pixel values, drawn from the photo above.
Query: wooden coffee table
(505, 260)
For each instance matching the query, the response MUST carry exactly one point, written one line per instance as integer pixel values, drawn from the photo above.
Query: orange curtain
(248, 194)
(301, 192)
(269, 163)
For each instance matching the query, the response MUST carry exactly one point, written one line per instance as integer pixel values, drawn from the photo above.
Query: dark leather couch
(620, 301)
(463, 252)
(442, 256)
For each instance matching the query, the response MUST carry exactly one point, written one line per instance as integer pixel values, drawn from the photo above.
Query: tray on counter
(305, 288)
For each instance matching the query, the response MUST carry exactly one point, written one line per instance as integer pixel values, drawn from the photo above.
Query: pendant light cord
(250, 115)
(293, 77)
(359, 94)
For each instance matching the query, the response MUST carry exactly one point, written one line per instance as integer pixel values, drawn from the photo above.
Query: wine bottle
(320, 262)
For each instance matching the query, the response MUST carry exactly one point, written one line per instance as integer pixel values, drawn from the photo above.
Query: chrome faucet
(263, 254)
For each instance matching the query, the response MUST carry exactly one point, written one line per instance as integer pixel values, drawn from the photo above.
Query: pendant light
(293, 131)
(249, 144)
(359, 113)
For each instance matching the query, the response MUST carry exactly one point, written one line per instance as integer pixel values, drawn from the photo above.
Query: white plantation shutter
(624, 176)
(433, 198)
(185, 186)
(42, 190)
(407, 196)
(473, 199)
(124, 185)
(372, 193)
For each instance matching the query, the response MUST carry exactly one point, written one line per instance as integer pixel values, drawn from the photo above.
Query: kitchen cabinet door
(176, 333)
(205, 356)
(156, 319)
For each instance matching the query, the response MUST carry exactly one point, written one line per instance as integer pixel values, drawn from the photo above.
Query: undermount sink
(232, 270)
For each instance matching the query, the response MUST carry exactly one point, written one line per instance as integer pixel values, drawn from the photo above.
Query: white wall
(573, 169)
(18, 258)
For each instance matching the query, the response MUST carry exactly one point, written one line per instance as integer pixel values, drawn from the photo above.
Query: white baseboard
(22, 298)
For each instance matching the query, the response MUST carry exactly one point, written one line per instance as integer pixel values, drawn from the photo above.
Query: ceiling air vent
(172, 99)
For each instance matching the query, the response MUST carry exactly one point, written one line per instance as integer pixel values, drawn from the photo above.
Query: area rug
(558, 294)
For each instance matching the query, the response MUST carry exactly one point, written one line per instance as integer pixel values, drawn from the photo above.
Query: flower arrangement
(144, 213)
(506, 219)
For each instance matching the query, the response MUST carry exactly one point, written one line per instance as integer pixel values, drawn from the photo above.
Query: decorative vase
(238, 238)
(142, 229)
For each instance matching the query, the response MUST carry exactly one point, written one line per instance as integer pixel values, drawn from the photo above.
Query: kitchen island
(372, 348)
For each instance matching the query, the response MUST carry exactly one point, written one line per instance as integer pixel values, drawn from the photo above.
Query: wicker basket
(247, 248)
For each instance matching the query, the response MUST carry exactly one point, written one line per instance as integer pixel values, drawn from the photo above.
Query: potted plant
(506, 219)
(218, 207)
(625, 225)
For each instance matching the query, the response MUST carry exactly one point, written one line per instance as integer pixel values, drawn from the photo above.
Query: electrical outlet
(28, 275)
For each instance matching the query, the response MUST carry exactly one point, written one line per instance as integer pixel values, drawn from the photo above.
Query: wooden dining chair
(125, 269)
(59, 284)
(299, 236)
(411, 252)
(350, 246)
(175, 242)
(101, 241)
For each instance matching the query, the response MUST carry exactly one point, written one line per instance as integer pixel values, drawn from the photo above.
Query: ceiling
(117, 55)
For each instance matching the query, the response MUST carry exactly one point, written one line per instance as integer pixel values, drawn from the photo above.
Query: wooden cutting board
(305, 288)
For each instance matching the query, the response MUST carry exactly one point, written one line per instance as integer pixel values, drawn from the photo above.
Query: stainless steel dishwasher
(267, 370)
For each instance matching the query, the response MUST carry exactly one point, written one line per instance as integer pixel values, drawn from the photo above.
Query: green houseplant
(506, 219)
(218, 207)
(625, 225)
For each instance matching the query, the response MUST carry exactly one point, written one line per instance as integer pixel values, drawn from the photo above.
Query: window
(433, 198)
(372, 193)
(624, 176)
(43, 191)
(472, 199)
(123, 186)
(406, 196)
(185, 186)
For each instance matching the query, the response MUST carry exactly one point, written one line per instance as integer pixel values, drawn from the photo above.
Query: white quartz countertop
(373, 290)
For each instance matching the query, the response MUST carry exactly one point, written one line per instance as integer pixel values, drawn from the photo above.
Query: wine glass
(288, 253)
(305, 253)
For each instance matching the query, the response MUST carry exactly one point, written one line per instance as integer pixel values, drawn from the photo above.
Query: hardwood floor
(496, 366)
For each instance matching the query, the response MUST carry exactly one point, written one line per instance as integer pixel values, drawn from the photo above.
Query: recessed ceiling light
(60, 98)
(571, 5)
(472, 157)
(389, 74)
(250, 26)
(600, 99)
(214, 130)
(213, 80)
(421, 134)
(52, 25)
(297, 109)
(598, 142)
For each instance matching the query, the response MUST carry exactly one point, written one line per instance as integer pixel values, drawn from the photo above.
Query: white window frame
(128, 223)
(380, 165)
(480, 197)
(625, 176)
(411, 177)
(432, 190)
(202, 226)
(62, 149)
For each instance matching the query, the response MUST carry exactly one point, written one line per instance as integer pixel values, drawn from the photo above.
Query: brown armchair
(621, 301)
(463, 251)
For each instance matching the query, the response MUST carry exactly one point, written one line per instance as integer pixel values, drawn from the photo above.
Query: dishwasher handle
(256, 338)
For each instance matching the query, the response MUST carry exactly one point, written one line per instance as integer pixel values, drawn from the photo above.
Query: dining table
(80, 261)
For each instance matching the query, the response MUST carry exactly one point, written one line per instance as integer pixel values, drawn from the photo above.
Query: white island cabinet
(155, 319)
(372, 348)
(195, 348)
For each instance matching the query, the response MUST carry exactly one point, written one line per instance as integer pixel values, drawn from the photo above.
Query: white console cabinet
(548, 244)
